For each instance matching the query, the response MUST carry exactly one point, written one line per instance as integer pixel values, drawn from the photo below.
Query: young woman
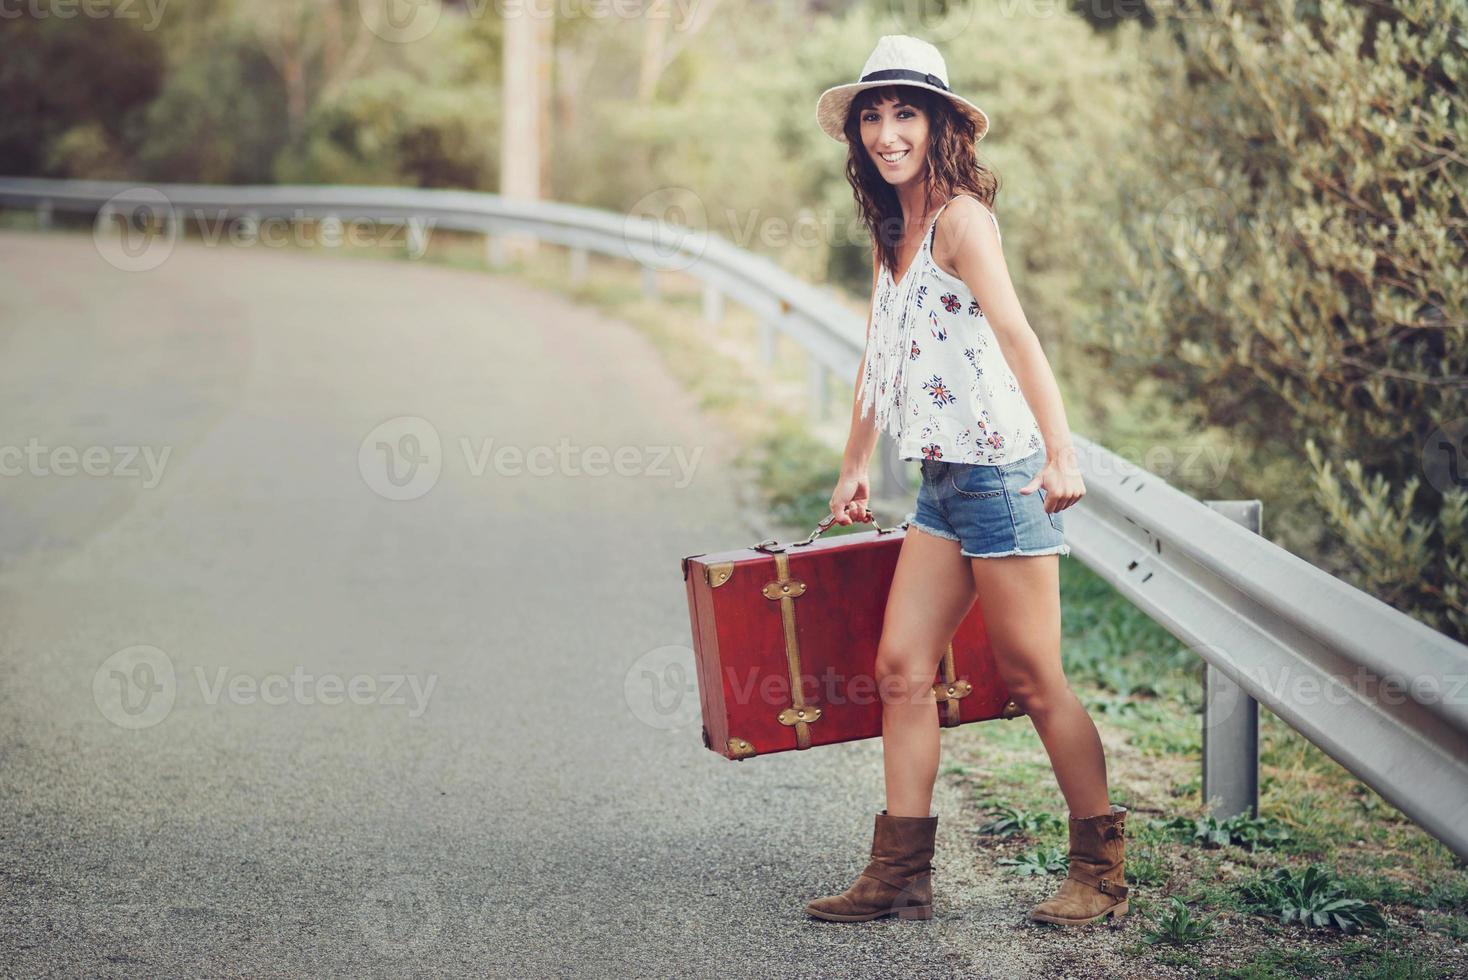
(954, 372)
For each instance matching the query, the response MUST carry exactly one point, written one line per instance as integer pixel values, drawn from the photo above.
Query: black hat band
(904, 74)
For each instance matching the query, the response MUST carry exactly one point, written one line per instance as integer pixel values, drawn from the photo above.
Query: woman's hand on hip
(1061, 478)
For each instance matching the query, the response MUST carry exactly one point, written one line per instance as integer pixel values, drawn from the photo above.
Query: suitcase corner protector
(683, 563)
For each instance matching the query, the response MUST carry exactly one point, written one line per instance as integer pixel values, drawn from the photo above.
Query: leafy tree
(391, 129)
(216, 119)
(84, 80)
(314, 47)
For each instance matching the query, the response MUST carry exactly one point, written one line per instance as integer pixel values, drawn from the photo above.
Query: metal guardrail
(1379, 692)
(1376, 690)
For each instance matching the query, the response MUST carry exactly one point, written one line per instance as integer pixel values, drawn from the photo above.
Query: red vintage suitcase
(785, 639)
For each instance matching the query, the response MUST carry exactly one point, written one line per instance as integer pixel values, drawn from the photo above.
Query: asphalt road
(299, 677)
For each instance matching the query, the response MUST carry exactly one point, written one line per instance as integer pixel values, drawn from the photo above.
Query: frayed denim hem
(933, 531)
(1061, 549)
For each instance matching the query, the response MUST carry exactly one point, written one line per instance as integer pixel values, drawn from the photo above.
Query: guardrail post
(649, 282)
(106, 219)
(43, 214)
(494, 251)
(767, 341)
(713, 304)
(417, 239)
(578, 266)
(816, 381)
(1230, 715)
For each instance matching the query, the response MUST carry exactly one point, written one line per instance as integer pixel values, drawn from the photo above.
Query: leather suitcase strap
(950, 674)
(786, 590)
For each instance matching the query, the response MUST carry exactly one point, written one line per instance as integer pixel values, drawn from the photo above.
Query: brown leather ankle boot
(1096, 885)
(897, 881)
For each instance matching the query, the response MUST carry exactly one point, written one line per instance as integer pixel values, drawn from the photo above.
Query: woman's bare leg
(1019, 597)
(931, 593)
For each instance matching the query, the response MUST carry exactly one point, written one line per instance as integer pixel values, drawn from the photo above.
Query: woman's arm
(966, 235)
(851, 499)
(861, 443)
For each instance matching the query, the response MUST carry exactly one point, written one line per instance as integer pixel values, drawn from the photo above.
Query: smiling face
(895, 134)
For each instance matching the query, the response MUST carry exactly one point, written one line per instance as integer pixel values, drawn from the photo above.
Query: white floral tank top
(935, 376)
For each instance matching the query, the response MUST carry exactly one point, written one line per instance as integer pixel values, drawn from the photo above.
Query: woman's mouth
(892, 159)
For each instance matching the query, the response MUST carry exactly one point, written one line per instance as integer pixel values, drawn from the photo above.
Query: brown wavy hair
(952, 164)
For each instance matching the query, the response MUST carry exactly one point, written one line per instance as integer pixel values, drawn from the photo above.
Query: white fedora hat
(898, 59)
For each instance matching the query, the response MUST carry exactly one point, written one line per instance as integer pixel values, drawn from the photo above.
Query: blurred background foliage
(1237, 226)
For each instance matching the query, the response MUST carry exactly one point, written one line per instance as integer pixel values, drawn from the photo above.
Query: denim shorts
(981, 508)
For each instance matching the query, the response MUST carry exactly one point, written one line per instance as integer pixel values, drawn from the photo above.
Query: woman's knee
(1036, 694)
(904, 670)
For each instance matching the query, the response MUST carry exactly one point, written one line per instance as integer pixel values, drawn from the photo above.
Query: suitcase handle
(771, 545)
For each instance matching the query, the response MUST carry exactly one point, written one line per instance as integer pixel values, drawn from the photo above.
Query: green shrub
(1038, 861)
(1240, 829)
(1008, 822)
(1309, 898)
(1176, 925)
(1288, 261)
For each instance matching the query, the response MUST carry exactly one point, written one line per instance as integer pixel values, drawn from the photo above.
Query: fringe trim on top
(884, 381)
